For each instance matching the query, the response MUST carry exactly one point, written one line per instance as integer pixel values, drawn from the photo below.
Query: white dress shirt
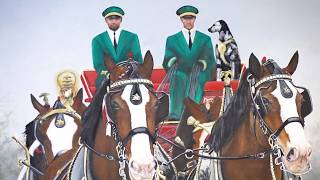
(111, 35)
(185, 33)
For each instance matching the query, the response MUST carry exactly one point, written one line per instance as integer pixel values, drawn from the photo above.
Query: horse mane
(236, 113)
(91, 116)
(29, 133)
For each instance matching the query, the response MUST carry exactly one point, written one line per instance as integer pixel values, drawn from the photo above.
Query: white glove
(203, 63)
(172, 61)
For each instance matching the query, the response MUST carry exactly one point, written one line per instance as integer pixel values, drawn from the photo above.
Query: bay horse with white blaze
(264, 124)
(52, 138)
(119, 125)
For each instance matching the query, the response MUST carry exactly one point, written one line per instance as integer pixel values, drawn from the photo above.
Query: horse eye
(266, 101)
(115, 105)
(156, 105)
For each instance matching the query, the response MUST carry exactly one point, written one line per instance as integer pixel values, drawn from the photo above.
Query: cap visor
(188, 14)
(113, 14)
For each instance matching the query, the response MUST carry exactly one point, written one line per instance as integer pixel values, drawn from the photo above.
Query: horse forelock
(29, 133)
(236, 113)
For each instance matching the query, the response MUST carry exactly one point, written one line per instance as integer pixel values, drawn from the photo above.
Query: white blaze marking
(140, 146)
(61, 138)
(289, 109)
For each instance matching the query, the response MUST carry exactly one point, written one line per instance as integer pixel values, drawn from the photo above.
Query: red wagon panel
(212, 88)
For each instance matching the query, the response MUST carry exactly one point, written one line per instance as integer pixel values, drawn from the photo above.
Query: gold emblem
(59, 123)
(286, 90)
(67, 86)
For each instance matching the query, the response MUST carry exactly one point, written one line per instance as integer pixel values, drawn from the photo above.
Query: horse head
(194, 126)
(131, 106)
(57, 128)
(280, 110)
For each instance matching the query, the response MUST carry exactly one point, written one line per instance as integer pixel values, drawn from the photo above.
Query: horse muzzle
(142, 170)
(297, 159)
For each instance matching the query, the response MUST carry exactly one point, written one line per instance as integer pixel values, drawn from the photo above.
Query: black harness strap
(138, 130)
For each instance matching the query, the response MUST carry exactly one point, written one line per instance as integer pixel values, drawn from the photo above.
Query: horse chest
(61, 138)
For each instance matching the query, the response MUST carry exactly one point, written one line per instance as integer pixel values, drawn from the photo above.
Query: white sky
(40, 38)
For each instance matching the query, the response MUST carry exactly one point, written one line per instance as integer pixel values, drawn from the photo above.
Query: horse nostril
(292, 154)
(135, 166)
(309, 152)
(152, 165)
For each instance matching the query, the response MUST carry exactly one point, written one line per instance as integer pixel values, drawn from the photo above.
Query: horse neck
(184, 132)
(245, 142)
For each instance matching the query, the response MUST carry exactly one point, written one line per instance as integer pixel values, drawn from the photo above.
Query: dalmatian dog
(227, 54)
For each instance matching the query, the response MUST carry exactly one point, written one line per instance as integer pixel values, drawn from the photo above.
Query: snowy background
(40, 38)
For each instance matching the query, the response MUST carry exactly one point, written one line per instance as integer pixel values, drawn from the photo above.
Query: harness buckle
(109, 157)
(261, 155)
(272, 139)
(189, 153)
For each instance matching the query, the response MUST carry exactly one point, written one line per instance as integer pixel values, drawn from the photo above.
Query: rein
(190, 153)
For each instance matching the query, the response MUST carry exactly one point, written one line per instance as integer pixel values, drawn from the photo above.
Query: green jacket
(102, 46)
(176, 46)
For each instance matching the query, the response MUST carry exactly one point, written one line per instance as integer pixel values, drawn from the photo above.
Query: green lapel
(196, 41)
(109, 45)
(183, 43)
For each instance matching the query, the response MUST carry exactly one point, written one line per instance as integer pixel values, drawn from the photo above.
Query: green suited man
(115, 42)
(185, 50)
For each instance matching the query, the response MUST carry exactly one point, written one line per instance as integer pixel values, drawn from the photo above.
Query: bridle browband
(122, 83)
(67, 110)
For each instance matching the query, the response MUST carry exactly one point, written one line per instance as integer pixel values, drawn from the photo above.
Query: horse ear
(190, 104)
(111, 66)
(292, 66)
(77, 100)
(215, 106)
(195, 110)
(145, 69)
(254, 66)
(38, 106)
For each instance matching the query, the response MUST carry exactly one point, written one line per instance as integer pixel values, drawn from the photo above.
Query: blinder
(262, 103)
(306, 104)
(162, 106)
